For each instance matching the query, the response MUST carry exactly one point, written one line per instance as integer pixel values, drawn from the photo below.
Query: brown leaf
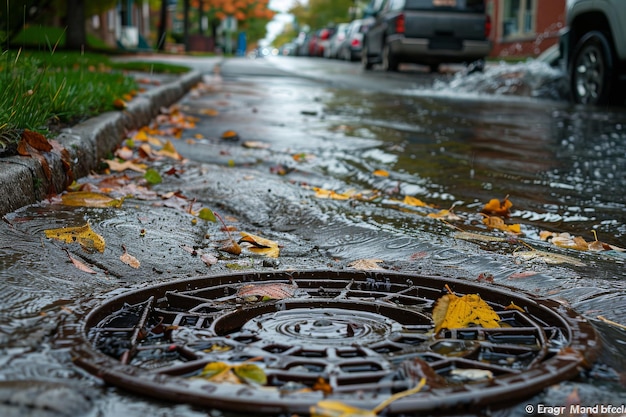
(80, 265)
(129, 259)
(230, 246)
(366, 264)
(36, 140)
(270, 291)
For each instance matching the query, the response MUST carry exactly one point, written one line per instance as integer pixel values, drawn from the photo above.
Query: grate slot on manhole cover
(355, 337)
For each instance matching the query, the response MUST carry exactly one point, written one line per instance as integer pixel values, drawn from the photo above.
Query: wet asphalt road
(495, 138)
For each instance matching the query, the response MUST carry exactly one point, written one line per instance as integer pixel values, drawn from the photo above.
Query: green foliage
(321, 13)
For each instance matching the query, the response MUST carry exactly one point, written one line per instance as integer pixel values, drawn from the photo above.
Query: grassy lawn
(46, 86)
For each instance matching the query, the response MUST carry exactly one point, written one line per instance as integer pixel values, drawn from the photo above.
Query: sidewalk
(23, 180)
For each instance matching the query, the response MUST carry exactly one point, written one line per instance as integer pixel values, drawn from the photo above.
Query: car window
(396, 5)
(475, 6)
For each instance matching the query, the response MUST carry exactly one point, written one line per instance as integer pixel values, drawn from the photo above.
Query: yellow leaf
(170, 151)
(84, 235)
(250, 373)
(322, 193)
(260, 245)
(453, 312)
(497, 223)
(327, 408)
(444, 214)
(89, 199)
(412, 201)
(381, 173)
(209, 112)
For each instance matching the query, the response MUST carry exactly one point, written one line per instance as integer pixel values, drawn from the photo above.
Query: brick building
(524, 28)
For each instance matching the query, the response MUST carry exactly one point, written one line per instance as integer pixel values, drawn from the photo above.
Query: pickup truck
(593, 48)
(427, 32)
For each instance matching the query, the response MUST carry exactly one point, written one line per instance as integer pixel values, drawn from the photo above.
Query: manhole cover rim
(583, 346)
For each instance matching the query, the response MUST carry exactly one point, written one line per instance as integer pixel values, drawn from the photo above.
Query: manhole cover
(354, 337)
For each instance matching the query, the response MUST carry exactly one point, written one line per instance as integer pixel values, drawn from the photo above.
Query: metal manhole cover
(362, 335)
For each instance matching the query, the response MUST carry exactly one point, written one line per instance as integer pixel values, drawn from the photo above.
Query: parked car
(428, 32)
(350, 48)
(336, 40)
(593, 47)
(323, 42)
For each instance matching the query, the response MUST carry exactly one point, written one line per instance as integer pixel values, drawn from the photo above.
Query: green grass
(39, 90)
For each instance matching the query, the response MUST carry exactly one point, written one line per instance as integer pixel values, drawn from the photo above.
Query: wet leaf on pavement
(498, 207)
(80, 265)
(548, 257)
(260, 245)
(495, 222)
(366, 264)
(123, 166)
(129, 259)
(84, 235)
(152, 176)
(454, 312)
(90, 199)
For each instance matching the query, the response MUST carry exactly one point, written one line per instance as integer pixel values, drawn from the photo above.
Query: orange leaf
(381, 173)
(36, 140)
(80, 265)
(119, 104)
(497, 207)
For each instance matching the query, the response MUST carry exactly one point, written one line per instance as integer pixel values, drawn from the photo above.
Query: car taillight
(355, 42)
(487, 26)
(400, 23)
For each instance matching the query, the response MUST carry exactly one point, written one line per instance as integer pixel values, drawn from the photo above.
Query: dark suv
(428, 32)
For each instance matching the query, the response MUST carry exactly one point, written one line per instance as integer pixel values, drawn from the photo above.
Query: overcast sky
(276, 25)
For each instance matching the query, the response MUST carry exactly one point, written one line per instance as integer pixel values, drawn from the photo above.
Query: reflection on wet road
(561, 167)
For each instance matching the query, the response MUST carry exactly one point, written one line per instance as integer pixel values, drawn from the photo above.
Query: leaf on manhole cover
(237, 374)
(84, 235)
(89, 199)
(265, 292)
(454, 312)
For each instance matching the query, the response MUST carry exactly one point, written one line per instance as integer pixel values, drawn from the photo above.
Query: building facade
(525, 28)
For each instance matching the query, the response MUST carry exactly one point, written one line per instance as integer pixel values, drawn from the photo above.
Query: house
(524, 28)
(126, 26)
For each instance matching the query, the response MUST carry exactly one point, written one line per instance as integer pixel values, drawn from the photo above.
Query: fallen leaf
(366, 264)
(207, 214)
(119, 104)
(444, 215)
(497, 223)
(322, 385)
(80, 265)
(413, 201)
(170, 151)
(381, 173)
(255, 144)
(89, 199)
(513, 306)
(260, 245)
(453, 312)
(498, 207)
(152, 176)
(477, 236)
(209, 112)
(265, 292)
(208, 259)
(548, 257)
(123, 166)
(129, 259)
(327, 408)
(230, 135)
(230, 246)
(36, 140)
(241, 373)
(84, 235)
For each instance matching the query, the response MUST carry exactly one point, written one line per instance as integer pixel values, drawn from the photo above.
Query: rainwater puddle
(457, 145)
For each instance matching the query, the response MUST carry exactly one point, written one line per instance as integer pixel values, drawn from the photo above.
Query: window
(518, 18)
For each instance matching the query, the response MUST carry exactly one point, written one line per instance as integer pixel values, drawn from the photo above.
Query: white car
(593, 46)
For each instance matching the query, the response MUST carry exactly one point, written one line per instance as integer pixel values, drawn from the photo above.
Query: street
(322, 158)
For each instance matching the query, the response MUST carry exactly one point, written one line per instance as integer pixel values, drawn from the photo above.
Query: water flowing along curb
(23, 180)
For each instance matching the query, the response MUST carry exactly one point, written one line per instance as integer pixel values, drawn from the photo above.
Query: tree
(320, 13)
(76, 36)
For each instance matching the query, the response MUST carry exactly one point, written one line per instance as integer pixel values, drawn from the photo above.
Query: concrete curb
(23, 180)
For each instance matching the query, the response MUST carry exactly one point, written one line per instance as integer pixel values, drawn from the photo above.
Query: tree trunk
(186, 24)
(162, 26)
(76, 35)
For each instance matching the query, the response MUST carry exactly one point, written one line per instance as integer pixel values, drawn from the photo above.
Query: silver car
(594, 50)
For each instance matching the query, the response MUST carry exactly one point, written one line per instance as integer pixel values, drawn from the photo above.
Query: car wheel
(591, 70)
(390, 62)
(365, 62)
